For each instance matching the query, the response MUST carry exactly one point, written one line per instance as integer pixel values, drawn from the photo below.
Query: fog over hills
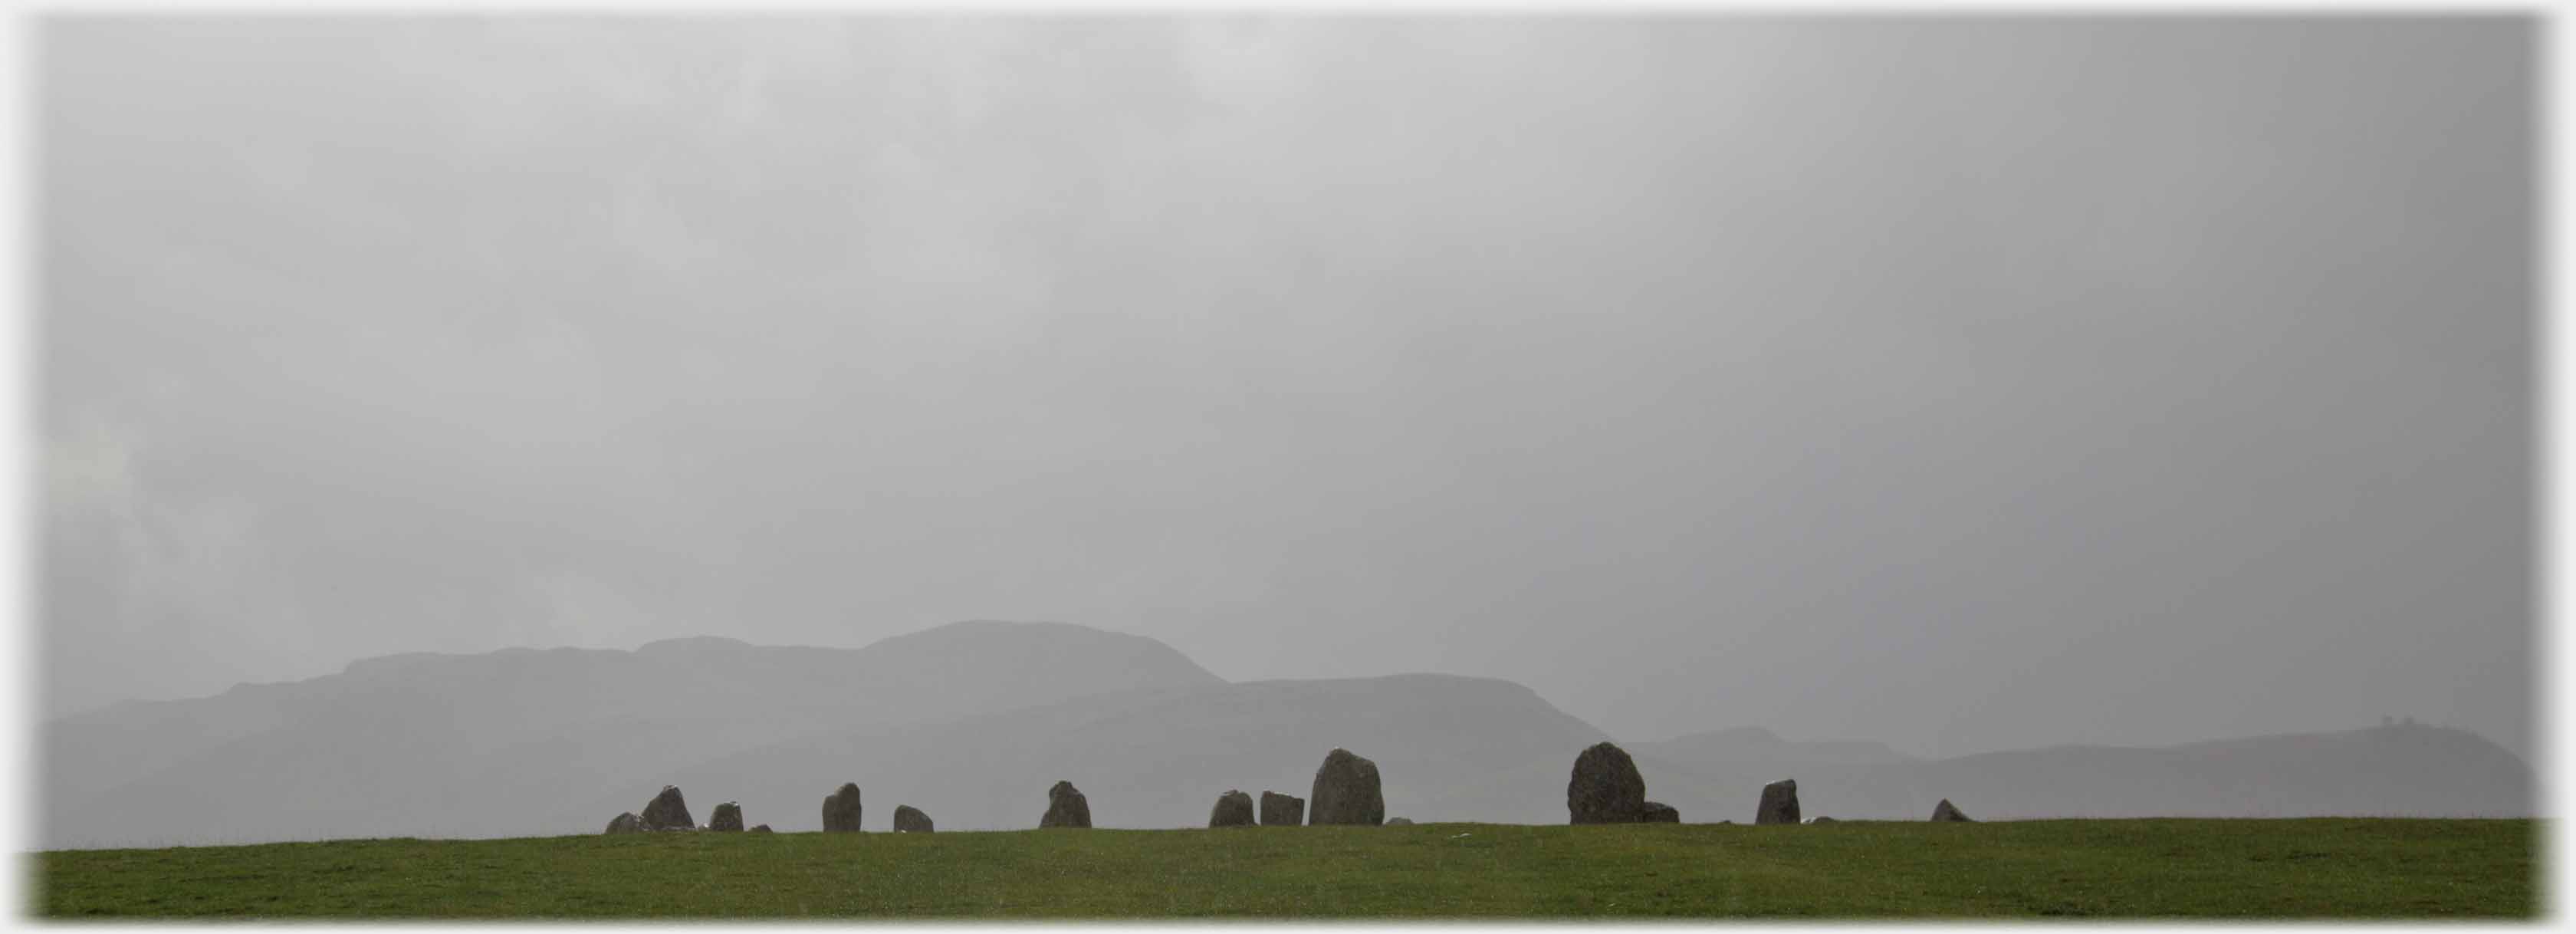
(2390, 771)
(497, 744)
(972, 721)
(1452, 748)
(1755, 744)
(1998, 381)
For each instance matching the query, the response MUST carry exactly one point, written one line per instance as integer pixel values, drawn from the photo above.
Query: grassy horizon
(2247, 869)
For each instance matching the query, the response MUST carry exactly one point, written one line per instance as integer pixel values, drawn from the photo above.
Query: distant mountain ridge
(493, 744)
(1452, 748)
(972, 721)
(2389, 771)
(1753, 743)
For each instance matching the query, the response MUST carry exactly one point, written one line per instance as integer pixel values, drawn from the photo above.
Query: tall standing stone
(1278, 810)
(1066, 807)
(841, 810)
(1606, 788)
(626, 823)
(1779, 803)
(668, 812)
(1346, 792)
(1945, 811)
(728, 817)
(1658, 812)
(1233, 809)
(909, 819)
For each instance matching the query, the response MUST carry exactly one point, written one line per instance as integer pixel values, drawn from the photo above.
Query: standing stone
(909, 819)
(841, 810)
(728, 817)
(1779, 803)
(1278, 810)
(761, 828)
(1657, 812)
(1399, 822)
(1066, 807)
(1346, 792)
(626, 823)
(668, 812)
(1233, 809)
(1606, 788)
(1945, 811)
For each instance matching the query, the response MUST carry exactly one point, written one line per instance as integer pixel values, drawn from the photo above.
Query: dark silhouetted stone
(761, 828)
(1399, 822)
(1233, 809)
(841, 810)
(1779, 803)
(909, 819)
(728, 817)
(1606, 788)
(1346, 792)
(1066, 807)
(1278, 810)
(667, 812)
(626, 823)
(1945, 811)
(1657, 812)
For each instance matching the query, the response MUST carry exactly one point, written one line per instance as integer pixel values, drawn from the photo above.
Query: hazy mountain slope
(1448, 748)
(2415, 771)
(1755, 744)
(973, 721)
(468, 745)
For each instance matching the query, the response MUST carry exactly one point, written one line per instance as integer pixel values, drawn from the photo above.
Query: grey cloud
(1966, 384)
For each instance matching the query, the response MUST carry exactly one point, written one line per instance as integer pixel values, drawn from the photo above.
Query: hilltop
(508, 743)
(972, 721)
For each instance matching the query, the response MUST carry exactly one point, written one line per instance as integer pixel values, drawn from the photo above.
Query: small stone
(728, 817)
(1346, 792)
(1945, 811)
(1606, 788)
(1779, 803)
(626, 823)
(909, 819)
(1821, 819)
(841, 810)
(1066, 807)
(668, 812)
(1278, 810)
(1399, 822)
(761, 828)
(1657, 812)
(1233, 809)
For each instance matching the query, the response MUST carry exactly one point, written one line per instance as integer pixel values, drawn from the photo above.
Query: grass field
(1854, 869)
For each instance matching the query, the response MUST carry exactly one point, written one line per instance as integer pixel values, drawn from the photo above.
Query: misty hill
(1450, 748)
(973, 721)
(1717, 748)
(495, 744)
(2411, 771)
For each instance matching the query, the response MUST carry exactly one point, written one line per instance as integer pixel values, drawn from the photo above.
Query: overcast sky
(1966, 384)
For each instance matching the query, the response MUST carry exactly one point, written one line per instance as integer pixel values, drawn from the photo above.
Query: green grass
(1855, 869)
